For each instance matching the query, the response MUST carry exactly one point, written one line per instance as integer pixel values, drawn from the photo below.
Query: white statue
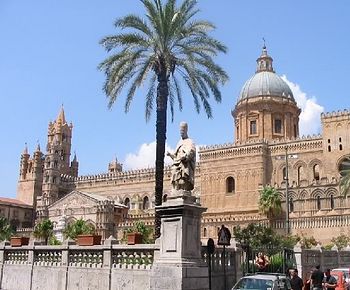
(184, 162)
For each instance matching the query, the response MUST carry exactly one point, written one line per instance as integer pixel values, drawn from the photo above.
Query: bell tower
(57, 158)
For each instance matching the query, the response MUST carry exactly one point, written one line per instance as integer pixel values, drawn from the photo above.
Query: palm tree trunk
(162, 100)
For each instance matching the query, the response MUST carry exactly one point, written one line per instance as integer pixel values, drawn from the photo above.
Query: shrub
(79, 227)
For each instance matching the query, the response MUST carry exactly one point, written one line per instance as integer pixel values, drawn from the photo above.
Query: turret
(115, 166)
(24, 163)
(74, 166)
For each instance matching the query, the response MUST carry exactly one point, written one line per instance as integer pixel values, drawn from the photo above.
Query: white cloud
(309, 119)
(146, 156)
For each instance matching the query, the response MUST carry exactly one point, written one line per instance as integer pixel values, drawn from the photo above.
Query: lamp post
(287, 197)
(285, 157)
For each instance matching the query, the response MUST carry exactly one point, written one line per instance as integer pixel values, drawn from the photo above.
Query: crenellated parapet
(303, 144)
(231, 150)
(336, 115)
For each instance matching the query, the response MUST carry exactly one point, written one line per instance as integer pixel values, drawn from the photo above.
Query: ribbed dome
(265, 82)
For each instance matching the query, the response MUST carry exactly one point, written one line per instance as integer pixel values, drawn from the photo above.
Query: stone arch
(317, 192)
(303, 195)
(145, 203)
(331, 191)
(230, 184)
(127, 201)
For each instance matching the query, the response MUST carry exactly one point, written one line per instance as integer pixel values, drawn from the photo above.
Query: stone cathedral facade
(228, 176)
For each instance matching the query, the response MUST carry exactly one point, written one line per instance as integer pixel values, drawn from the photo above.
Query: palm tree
(167, 48)
(44, 230)
(270, 202)
(344, 184)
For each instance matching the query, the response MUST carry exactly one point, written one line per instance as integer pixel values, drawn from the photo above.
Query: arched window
(291, 205)
(145, 203)
(318, 202)
(230, 184)
(300, 174)
(316, 172)
(204, 232)
(284, 173)
(278, 126)
(127, 202)
(332, 201)
(165, 197)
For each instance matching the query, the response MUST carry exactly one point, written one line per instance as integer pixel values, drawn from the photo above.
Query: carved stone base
(178, 197)
(179, 264)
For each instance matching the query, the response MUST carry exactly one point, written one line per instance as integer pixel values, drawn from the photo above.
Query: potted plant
(19, 241)
(44, 230)
(139, 233)
(83, 233)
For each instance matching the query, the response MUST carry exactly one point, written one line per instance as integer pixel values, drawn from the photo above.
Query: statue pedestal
(179, 264)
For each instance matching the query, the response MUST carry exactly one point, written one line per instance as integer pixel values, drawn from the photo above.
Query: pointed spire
(264, 62)
(75, 157)
(25, 151)
(38, 146)
(61, 118)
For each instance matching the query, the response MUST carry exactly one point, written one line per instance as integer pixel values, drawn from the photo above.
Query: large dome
(265, 82)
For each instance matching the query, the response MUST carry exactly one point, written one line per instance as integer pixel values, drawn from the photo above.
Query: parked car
(346, 272)
(341, 280)
(263, 281)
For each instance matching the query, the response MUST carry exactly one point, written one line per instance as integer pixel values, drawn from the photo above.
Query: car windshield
(252, 283)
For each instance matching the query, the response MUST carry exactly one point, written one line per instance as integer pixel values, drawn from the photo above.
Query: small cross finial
(264, 47)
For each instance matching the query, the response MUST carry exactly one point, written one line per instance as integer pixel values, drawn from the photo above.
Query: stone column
(179, 265)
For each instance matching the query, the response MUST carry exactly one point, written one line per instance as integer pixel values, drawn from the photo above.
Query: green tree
(44, 230)
(6, 230)
(257, 236)
(79, 227)
(341, 241)
(344, 184)
(270, 202)
(166, 48)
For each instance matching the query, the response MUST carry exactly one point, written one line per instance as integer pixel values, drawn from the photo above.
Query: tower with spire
(30, 176)
(40, 182)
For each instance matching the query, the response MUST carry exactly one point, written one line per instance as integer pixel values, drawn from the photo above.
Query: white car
(263, 281)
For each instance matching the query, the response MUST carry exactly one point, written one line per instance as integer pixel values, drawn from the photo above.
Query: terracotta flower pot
(89, 240)
(19, 241)
(134, 238)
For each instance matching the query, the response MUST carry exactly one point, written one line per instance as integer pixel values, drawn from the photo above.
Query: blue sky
(49, 54)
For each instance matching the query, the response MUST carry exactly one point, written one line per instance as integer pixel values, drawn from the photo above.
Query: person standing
(317, 279)
(329, 281)
(295, 281)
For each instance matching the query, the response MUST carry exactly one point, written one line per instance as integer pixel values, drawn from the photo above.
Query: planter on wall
(134, 238)
(19, 241)
(89, 240)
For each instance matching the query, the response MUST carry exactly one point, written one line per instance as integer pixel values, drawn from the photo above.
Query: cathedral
(267, 150)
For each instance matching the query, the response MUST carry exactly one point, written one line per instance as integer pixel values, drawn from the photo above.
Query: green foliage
(270, 201)
(307, 242)
(257, 236)
(167, 43)
(341, 241)
(79, 227)
(44, 230)
(53, 241)
(6, 230)
(145, 231)
(344, 184)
